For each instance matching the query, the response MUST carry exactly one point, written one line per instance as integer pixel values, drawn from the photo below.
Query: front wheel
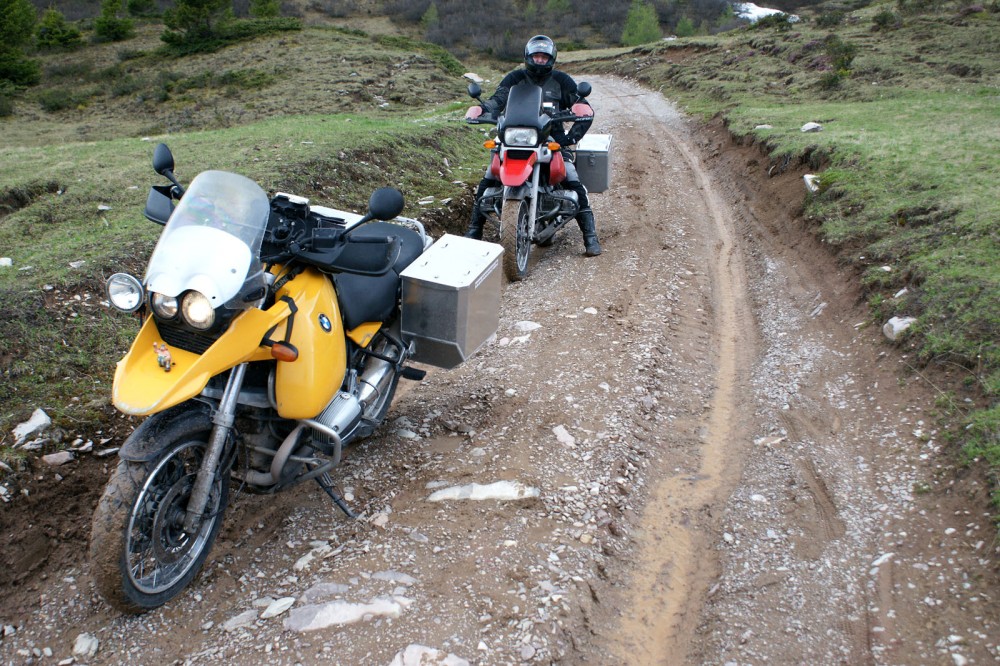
(140, 555)
(515, 236)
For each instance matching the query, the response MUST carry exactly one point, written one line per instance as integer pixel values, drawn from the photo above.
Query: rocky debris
(59, 458)
(241, 621)
(38, 422)
(321, 616)
(896, 326)
(86, 646)
(500, 490)
(419, 655)
(812, 127)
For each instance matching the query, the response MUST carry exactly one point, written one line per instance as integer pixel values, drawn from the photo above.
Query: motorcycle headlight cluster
(194, 307)
(520, 136)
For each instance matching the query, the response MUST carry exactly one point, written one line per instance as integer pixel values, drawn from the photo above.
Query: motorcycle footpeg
(413, 373)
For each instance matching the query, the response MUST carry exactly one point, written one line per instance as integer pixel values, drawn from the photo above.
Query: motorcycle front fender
(514, 172)
(143, 386)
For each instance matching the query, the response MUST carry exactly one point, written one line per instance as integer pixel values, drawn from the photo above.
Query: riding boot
(476, 223)
(591, 246)
(478, 219)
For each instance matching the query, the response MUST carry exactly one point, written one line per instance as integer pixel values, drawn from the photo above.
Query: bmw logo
(324, 323)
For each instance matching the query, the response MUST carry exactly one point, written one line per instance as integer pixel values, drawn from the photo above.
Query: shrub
(841, 53)
(17, 24)
(108, 27)
(195, 20)
(779, 22)
(18, 69)
(60, 99)
(53, 31)
(641, 25)
(265, 8)
(887, 20)
(829, 19)
(685, 27)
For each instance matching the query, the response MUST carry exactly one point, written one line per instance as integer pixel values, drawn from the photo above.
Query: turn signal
(283, 351)
(491, 144)
(553, 146)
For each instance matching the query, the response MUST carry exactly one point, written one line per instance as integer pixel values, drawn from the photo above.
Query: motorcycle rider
(559, 88)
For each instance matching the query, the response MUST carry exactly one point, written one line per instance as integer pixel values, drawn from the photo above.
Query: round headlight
(124, 292)
(164, 306)
(197, 310)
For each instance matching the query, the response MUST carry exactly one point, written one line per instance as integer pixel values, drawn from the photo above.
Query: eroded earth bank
(730, 469)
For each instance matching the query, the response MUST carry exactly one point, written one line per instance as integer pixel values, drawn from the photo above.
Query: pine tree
(641, 25)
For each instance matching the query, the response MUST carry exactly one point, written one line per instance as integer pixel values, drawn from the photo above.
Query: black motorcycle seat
(412, 243)
(366, 298)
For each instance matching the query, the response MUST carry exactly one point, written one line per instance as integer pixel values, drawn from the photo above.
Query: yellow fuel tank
(305, 386)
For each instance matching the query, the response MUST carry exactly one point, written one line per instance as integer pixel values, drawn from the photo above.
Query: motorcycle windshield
(524, 105)
(211, 243)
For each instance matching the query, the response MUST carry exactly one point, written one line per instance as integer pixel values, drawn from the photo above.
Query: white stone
(321, 616)
(812, 127)
(58, 458)
(6, 262)
(86, 646)
(322, 591)
(38, 422)
(895, 326)
(563, 436)
(277, 607)
(472, 76)
(501, 490)
(526, 326)
(244, 619)
(420, 655)
(812, 182)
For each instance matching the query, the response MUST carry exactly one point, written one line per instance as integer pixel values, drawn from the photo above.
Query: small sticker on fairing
(324, 323)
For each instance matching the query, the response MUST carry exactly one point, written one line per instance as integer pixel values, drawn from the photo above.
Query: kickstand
(326, 483)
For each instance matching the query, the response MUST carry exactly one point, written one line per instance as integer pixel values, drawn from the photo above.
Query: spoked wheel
(140, 553)
(515, 236)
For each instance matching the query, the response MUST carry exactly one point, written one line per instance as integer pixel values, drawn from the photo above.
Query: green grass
(907, 159)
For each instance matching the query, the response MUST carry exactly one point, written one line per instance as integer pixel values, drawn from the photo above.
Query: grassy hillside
(909, 178)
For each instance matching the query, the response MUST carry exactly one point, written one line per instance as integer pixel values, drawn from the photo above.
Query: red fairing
(557, 169)
(515, 172)
(495, 166)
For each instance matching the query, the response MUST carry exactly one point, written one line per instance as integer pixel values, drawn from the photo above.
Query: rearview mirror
(475, 90)
(583, 89)
(163, 159)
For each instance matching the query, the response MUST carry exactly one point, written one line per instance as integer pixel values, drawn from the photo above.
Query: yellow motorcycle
(274, 333)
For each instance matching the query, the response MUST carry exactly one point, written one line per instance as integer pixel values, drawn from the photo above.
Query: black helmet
(539, 44)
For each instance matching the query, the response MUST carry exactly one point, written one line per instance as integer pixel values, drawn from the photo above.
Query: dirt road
(716, 464)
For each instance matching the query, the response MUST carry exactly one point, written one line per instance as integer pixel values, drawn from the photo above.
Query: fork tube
(223, 420)
(533, 207)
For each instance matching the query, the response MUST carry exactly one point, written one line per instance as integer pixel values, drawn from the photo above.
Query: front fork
(223, 419)
(531, 196)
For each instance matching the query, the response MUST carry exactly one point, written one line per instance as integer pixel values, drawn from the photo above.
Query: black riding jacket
(557, 87)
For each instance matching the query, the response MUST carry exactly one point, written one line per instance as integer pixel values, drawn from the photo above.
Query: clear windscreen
(211, 243)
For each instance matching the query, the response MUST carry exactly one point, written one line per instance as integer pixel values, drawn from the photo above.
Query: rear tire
(140, 556)
(514, 237)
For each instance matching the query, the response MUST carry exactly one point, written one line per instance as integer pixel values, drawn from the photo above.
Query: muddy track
(725, 463)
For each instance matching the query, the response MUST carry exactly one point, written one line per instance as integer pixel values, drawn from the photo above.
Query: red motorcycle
(531, 205)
